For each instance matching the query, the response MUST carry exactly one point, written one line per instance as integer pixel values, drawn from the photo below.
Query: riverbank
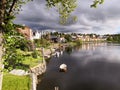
(93, 64)
(37, 69)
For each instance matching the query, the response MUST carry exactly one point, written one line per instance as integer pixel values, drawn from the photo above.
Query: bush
(78, 42)
(44, 42)
(13, 59)
(35, 54)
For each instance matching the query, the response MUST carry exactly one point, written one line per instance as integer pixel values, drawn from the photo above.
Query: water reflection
(93, 67)
(69, 50)
(92, 46)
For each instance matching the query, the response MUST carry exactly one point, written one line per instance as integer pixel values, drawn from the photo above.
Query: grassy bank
(13, 82)
(32, 61)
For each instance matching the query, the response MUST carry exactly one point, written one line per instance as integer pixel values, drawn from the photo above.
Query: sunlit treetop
(66, 7)
(11, 8)
(96, 2)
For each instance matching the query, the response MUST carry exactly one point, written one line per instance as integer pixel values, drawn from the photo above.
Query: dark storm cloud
(104, 19)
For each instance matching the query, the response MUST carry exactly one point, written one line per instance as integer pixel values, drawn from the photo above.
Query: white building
(37, 35)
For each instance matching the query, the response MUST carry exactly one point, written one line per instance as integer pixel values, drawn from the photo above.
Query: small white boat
(63, 68)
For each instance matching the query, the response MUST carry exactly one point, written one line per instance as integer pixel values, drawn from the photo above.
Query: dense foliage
(42, 42)
(68, 37)
(78, 42)
(114, 38)
(10, 9)
(14, 42)
(66, 7)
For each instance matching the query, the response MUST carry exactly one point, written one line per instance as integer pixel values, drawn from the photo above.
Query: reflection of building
(92, 46)
(27, 32)
(86, 46)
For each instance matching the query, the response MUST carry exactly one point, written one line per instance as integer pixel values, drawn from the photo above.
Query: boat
(63, 68)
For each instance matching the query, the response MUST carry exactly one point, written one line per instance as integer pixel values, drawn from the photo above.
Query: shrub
(35, 54)
(78, 42)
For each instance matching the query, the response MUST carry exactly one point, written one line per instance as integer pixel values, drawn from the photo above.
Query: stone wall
(35, 71)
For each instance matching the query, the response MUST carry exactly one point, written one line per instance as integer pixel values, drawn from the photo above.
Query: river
(94, 66)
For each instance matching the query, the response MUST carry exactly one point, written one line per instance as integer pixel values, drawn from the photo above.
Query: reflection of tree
(78, 47)
(68, 50)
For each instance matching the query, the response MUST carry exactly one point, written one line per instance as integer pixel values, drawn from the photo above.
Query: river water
(90, 67)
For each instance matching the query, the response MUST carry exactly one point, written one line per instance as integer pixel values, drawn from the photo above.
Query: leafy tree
(44, 42)
(14, 43)
(8, 10)
(114, 38)
(78, 42)
(37, 42)
(68, 37)
(13, 59)
(66, 7)
(35, 54)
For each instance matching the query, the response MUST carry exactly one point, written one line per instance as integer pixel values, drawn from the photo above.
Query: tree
(8, 9)
(66, 7)
(68, 37)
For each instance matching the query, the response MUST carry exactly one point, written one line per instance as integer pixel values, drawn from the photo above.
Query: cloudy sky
(105, 19)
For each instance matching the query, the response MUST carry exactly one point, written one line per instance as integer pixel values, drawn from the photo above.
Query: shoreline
(36, 77)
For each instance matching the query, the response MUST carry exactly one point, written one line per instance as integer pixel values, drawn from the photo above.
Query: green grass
(29, 60)
(13, 82)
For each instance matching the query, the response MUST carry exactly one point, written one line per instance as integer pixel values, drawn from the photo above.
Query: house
(37, 35)
(74, 38)
(27, 32)
(54, 39)
(61, 39)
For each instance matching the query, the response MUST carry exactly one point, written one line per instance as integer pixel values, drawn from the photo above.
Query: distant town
(58, 36)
